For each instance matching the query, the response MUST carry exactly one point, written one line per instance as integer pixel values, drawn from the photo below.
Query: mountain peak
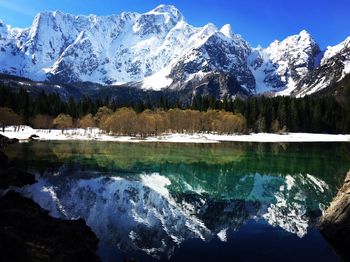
(167, 9)
(226, 30)
(306, 36)
(345, 43)
(40, 17)
(335, 50)
(301, 40)
(304, 33)
(57, 13)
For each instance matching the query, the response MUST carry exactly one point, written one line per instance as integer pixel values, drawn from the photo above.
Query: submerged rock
(335, 222)
(28, 233)
(34, 137)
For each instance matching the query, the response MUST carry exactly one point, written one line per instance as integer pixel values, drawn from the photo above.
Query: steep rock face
(283, 64)
(221, 51)
(215, 84)
(334, 66)
(335, 222)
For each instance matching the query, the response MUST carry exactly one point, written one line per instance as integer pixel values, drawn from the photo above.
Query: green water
(157, 201)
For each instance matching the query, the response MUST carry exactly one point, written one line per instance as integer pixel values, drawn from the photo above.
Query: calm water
(223, 202)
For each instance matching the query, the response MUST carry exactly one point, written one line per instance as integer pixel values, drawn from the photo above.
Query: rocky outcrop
(335, 222)
(28, 233)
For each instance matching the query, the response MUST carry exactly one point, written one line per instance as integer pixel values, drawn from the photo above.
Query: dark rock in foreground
(11, 176)
(15, 177)
(3, 160)
(28, 233)
(335, 223)
(7, 141)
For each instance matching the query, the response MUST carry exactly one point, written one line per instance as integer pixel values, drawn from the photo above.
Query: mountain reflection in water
(152, 201)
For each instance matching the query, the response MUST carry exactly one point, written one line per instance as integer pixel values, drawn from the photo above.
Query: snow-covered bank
(288, 137)
(24, 132)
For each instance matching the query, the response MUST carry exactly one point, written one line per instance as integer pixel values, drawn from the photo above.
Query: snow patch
(321, 185)
(290, 182)
(222, 235)
(226, 30)
(95, 134)
(157, 183)
(158, 80)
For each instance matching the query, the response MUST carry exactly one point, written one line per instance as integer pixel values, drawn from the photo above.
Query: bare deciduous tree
(63, 121)
(8, 117)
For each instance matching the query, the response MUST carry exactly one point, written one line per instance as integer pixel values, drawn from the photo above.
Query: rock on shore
(28, 233)
(335, 222)
(7, 141)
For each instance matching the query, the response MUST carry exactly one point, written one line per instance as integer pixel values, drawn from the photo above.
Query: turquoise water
(182, 202)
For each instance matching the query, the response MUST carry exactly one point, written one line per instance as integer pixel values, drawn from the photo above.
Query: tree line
(321, 114)
(125, 121)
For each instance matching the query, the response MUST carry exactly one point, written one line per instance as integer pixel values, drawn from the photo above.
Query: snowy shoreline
(95, 134)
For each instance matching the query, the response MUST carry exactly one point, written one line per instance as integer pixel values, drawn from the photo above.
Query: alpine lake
(190, 202)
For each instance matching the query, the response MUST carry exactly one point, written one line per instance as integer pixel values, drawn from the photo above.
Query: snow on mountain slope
(332, 51)
(125, 48)
(216, 52)
(159, 49)
(334, 66)
(282, 64)
(109, 49)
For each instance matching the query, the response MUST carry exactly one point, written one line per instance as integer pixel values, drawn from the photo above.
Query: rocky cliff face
(283, 64)
(334, 66)
(335, 222)
(159, 50)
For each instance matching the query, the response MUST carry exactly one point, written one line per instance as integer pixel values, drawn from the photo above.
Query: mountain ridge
(159, 50)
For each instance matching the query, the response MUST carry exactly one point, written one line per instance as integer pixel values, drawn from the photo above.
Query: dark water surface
(181, 202)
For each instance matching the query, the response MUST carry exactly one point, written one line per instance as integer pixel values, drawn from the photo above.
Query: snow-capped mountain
(159, 50)
(283, 64)
(334, 66)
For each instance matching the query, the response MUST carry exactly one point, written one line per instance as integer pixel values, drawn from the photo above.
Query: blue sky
(258, 21)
